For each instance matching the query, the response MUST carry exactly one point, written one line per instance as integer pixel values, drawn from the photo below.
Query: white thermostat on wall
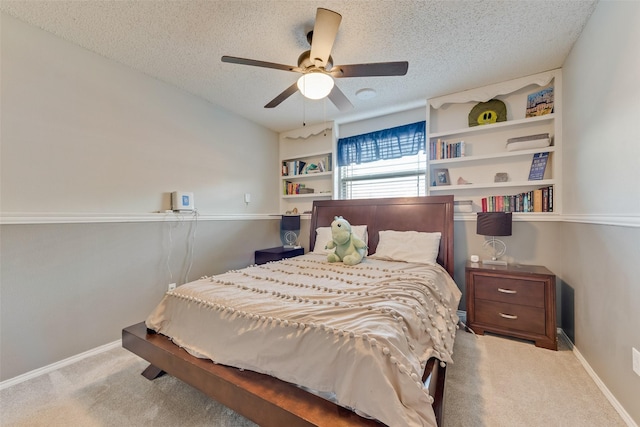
(181, 201)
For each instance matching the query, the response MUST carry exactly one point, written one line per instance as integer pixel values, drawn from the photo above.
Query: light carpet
(494, 381)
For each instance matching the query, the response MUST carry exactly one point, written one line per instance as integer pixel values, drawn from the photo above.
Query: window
(387, 163)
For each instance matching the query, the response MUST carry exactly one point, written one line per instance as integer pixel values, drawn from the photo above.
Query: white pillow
(408, 246)
(323, 236)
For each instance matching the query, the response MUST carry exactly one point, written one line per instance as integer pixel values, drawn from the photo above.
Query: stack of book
(441, 149)
(540, 140)
(538, 200)
(296, 188)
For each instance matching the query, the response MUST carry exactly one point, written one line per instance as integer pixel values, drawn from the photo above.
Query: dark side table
(516, 300)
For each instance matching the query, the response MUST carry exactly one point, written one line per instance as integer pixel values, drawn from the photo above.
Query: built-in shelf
(485, 146)
(312, 144)
(492, 157)
(307, 176)
(492, 127)
(510, 184)
(306, 196)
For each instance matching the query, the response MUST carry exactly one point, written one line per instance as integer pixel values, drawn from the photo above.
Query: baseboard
(57, 365)
(603, 388)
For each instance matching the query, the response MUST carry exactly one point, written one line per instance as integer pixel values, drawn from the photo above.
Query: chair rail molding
(98, 217)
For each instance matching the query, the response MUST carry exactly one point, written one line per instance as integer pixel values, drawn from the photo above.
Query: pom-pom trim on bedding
(323, 266)
(431, 322)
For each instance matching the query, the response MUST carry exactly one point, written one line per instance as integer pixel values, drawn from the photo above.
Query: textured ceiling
(450, 46)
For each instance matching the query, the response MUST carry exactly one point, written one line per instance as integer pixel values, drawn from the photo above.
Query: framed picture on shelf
(540, 103)
(442, 177)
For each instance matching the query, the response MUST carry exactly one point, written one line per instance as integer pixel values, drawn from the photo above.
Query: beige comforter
(362, 333)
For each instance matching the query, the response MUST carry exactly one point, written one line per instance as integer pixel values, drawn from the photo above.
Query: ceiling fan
(316, 65)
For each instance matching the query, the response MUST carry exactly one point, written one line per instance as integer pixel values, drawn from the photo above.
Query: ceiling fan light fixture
(315, 85)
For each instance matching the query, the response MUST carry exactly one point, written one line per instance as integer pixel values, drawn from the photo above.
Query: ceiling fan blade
(324, 34)
(284, 95)
(339, 99)
(371, 70)
(264, 64)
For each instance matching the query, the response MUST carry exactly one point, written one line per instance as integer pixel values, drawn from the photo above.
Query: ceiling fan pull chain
(304, 110)
(324, 112)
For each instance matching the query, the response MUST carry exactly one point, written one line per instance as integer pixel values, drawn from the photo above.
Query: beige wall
(81, 133)
(83, 136)
(601, 233)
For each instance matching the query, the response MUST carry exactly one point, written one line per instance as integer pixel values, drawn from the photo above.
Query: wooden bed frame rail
(261, 398)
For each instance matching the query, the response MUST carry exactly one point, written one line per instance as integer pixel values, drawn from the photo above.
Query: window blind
(387, 163)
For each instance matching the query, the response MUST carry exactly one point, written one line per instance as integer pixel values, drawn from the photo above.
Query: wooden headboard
(428, 213)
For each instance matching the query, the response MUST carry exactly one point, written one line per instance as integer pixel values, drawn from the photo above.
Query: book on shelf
(538, 200)
(292, 167)
(538, 166)
(441, 149)
(527, 142)
(324, 164)
(540, 102)
(291, 188)
(301, 167)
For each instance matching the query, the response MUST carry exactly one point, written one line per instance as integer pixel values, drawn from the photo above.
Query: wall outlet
(172, 286)
(636, 360)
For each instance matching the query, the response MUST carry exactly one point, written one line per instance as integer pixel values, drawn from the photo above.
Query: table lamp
(289, 230)
(494, 224)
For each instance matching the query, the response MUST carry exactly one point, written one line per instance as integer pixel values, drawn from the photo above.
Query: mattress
(361, 334)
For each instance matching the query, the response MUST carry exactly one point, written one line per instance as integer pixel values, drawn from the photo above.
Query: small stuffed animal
(349, 248)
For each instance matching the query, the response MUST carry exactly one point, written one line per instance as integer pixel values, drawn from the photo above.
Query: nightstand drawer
(510, 316)
(510, 290)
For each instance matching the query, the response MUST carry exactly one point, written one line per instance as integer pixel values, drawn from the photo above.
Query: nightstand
(516, 300)
(276, 254)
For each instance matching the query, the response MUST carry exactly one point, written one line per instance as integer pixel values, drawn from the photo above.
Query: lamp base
(494, 262)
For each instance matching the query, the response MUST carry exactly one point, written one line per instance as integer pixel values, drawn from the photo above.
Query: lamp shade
(289, 229)
(494, 224)
(290, 222)
(315, 85)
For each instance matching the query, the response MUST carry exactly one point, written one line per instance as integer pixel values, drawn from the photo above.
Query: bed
(301, 342)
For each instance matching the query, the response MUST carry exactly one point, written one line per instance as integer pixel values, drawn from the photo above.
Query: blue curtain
(393, 143)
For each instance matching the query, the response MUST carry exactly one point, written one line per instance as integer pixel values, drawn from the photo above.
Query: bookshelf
(473, 175)
(299, 149)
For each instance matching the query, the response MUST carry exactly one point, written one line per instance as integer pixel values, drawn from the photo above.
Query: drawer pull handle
(508, 316)
(507, 291)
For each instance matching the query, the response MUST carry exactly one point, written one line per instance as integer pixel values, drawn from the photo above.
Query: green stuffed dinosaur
(349, 248)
